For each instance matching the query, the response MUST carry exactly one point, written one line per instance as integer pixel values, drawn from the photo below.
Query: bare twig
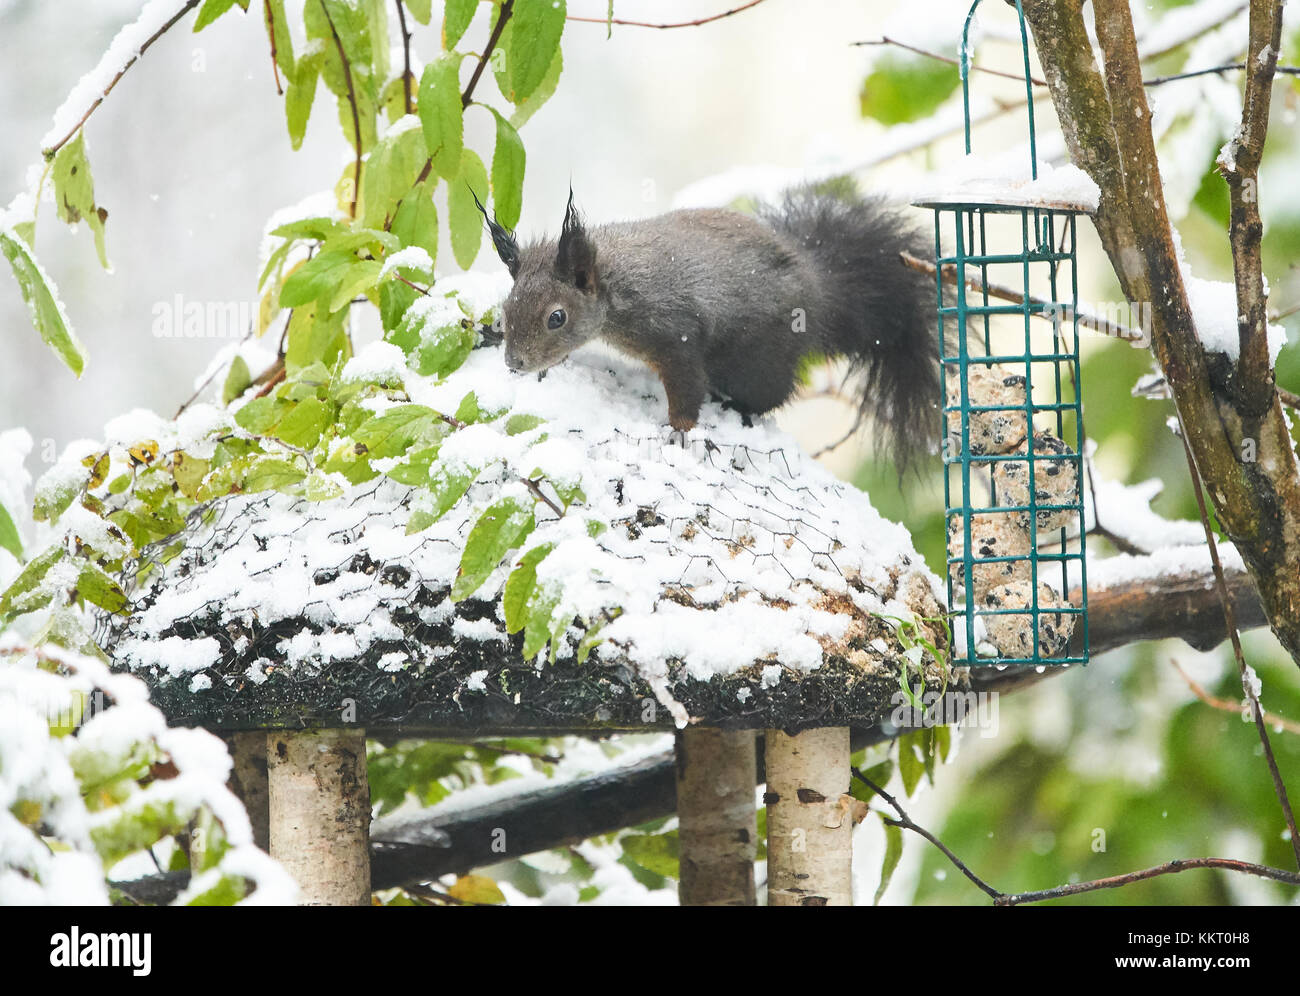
(270, 34)
(1213, 71)
(886, 40)
(906, 823)
(352, 100)
(507, 9)
(1051, 311)
(1288, 398)
(1169, 868)
(1239, 161)
(541, 495)
(1224, 705)
(1229, 616)
(189, 5)
(1073, 888)
(406, 58)
(680, 24)
(853, 430)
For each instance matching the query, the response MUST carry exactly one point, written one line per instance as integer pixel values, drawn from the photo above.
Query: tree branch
(270, 34)
(680, 24)
(1239, 164)
(1245, 457)
(49, 152)
(352, 100)
(409, 104)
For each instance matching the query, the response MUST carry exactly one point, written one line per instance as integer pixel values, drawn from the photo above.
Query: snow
(380, 361)
(412, 256)
(52, 746)
(124, 48)
(1006, 179)
(1126, 513)
(1214, 309)
(755, 532)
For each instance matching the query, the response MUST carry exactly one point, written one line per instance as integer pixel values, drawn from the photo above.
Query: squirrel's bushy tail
(874, 310)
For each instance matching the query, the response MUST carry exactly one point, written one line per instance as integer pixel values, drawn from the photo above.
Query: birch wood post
(717, 817)
(320, 813)
(809, 830)
(248, 781)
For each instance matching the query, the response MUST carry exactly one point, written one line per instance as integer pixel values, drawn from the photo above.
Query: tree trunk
(715, 809)
(1235, 427)
(809, 830)
(320, 813)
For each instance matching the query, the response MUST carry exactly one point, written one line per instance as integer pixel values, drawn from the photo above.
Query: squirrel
(720, 302)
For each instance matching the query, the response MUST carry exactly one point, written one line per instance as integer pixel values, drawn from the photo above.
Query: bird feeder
(1007, 294)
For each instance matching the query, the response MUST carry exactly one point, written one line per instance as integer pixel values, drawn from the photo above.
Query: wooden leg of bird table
(809, 821)
(717, 818)
(320, 813)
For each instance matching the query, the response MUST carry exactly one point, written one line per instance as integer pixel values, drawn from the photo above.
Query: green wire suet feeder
(1013, 421)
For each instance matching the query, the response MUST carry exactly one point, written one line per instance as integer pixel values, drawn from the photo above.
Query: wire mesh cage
(1007, 303)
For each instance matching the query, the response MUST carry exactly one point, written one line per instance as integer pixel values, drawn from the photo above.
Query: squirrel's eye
(557, 319)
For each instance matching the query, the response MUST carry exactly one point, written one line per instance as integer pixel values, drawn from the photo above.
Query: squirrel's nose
(513, 363)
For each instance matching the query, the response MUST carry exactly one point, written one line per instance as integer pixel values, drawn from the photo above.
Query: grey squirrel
(718, 301)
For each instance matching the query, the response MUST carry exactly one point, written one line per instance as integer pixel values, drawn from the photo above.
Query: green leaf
(417, 467)
(300, 94)
(319, 487)
(260, 414)
(520, 585)
(42, 303)
(893, 852)
(463, 217)
(654, 852)
(24, 594)
(498, 530)
(431, 351)
(392, 433)
(395, 298)
(879, 774)
(317, 279)
(507, 173)
(415, 222)
(517, 424)
(448, 486)
(74, 192)
(305, 423)
(420, 9)
(910, 765)
(277, 32)
(542, 606)
(212, 9)
(98, 587)
(9, 538)
(455, 19)
(389, 174)
(441, 114)
(272, 474)
(535, 31)
(468, 410)
(545, 90)
(359, 278)
(906, 88)
(238, 380)
(943, 741)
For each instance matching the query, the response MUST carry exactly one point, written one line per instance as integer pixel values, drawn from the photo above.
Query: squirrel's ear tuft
(504, 240)
(575, 259)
